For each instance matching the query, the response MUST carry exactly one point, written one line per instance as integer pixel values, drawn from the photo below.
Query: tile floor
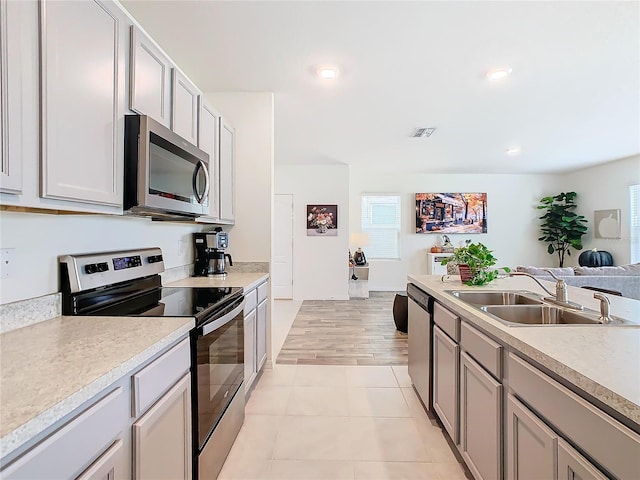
(330, 422)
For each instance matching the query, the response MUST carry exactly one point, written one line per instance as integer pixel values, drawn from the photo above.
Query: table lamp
(359, 240)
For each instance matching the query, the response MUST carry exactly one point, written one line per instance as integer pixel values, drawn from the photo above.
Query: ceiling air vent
(423, 132)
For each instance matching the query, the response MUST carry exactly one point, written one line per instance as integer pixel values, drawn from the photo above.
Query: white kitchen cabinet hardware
(82, 101)
(162, 436)
(480, 420)
(185, 101)
(227, 172)
(150, 79)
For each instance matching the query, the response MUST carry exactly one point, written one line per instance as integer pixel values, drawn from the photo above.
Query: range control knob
(90, 268)
(103, 267)
(154, 258)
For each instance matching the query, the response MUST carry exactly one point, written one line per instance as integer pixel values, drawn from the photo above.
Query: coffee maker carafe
(210, 257)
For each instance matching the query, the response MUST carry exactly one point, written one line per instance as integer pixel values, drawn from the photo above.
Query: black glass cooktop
(129, 300)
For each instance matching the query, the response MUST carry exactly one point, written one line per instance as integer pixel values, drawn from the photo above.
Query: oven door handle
(217, 323)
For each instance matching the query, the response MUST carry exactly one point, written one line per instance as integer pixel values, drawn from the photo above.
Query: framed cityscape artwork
(451, 213)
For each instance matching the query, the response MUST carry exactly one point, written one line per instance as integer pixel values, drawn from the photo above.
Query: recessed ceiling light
(328, 73)
(499, 73)
(513, 150)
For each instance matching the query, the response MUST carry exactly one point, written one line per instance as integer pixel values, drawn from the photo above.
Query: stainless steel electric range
(128, 283)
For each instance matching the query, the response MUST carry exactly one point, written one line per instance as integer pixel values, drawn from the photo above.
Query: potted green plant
(474, 261)
(561, 228)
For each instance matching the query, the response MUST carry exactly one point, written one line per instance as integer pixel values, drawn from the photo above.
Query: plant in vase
(474, 261)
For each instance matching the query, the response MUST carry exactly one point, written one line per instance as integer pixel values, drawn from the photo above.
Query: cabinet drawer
(447, 321)
(250, 300)
(611, 444)
(160, 375)
(484, 350)
(69, 451)
(262, 292)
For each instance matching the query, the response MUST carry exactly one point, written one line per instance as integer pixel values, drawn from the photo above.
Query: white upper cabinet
(82, 101)
(10, 111)
(208, 142)
(184, 107)
(150, 79)
(227, 172)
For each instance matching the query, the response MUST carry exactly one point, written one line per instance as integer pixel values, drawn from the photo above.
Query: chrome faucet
(561, 297)
(604, 307)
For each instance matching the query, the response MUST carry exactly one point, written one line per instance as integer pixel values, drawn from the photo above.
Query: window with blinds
(634, 197)
(380, 219)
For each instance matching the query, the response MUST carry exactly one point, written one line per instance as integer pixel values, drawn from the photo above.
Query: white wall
(251, 114)
(38, 239)
(512, 220)
(604, 187)
(320, 267)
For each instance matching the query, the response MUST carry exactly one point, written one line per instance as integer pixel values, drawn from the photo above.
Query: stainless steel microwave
(164, 175)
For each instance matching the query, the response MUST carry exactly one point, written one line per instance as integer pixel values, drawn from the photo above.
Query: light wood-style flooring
(350, 332)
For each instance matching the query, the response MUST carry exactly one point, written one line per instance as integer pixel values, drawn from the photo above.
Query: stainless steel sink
(492, 297)
(540, 315)
(524, 308)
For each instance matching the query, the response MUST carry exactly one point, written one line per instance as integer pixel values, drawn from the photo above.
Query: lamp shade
(359, 239)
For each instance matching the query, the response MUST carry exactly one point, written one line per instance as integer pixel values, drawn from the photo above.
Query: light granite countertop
(50, 368)
(247, 281)
(603, 361)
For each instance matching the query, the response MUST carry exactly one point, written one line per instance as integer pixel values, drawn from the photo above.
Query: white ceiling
(572, 100)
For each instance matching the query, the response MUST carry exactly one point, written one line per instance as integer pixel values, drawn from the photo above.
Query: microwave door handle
(203, 166)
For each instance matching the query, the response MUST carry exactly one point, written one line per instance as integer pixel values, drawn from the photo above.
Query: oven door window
(220, 356)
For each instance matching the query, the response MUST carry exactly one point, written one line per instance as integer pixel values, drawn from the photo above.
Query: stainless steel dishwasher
(420, 306)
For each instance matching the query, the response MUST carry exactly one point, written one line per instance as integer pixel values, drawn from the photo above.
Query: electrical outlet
(7, 262)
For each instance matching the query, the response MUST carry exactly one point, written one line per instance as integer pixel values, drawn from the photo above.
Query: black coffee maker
(210, 257)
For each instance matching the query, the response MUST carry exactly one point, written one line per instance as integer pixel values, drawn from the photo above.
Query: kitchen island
(577, 387)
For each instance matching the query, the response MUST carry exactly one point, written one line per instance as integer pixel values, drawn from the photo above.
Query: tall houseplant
(478, 258)
(561, 227)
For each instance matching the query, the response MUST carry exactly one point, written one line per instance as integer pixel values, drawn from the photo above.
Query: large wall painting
(451, 213)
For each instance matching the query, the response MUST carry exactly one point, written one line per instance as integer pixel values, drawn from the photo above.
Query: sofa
(624, 279)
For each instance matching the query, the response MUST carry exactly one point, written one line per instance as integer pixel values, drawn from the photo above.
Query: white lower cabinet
(250, 371)
(573, 466)
(445, 381)
(261, 334)
(110, 465)
(255, 333)
(480, 420)
(162, 436)
(530, 445)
